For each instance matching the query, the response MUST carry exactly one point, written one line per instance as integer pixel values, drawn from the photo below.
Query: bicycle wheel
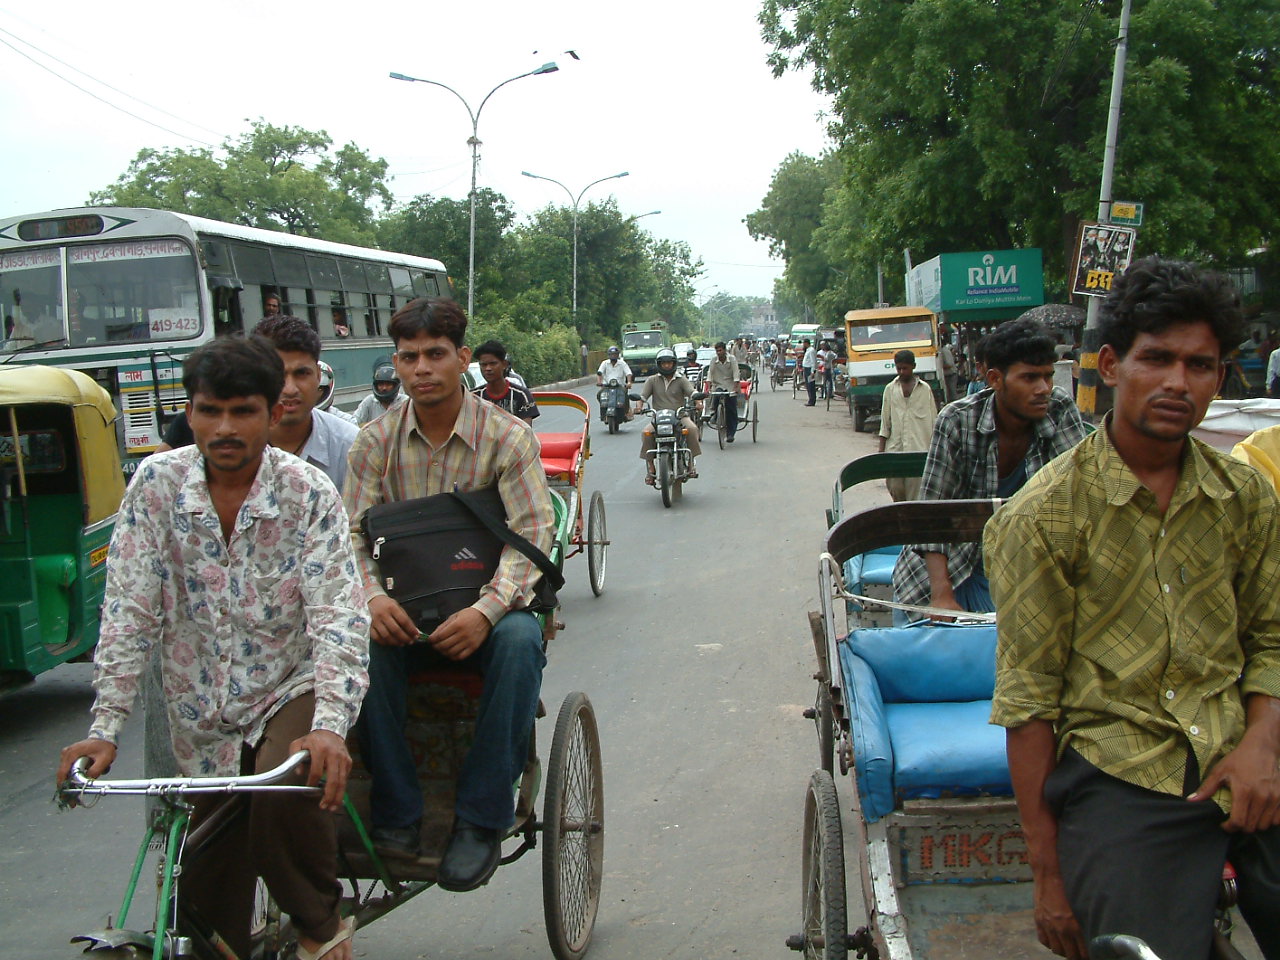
(573, 827)
(823, 906)
(720, 431)
(755, 420)
(597, 543)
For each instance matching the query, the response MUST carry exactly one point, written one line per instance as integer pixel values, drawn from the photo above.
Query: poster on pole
(1103, 250)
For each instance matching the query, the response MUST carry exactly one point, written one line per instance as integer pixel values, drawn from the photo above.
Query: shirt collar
(321, 447)
(466, 427)
(193, 496)
(1121, 484)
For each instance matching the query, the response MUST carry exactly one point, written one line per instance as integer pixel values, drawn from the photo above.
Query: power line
(100, 99)
(1062, 60)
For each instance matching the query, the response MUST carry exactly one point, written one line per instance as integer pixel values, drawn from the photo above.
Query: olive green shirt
(667, 394)
(1136, 634)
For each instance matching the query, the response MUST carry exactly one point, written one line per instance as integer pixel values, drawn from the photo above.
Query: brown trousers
(285, 838)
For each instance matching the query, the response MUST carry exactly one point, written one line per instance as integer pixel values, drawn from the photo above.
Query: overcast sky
(676, 92)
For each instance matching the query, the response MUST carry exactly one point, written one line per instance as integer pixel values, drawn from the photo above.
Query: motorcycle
(673, 460)
(613, 404)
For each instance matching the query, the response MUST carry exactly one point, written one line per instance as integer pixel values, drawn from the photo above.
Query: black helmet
(385, 381)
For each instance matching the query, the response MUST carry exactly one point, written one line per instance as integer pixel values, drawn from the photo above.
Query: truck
(640, 345)
(872, 337)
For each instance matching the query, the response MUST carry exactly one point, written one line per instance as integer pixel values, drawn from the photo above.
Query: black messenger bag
(435, 554)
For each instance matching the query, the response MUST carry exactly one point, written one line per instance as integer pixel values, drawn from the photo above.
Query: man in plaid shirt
(987, 445)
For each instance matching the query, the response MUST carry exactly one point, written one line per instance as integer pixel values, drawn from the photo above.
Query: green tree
(791, 213)
(278, 178)
(968, 125)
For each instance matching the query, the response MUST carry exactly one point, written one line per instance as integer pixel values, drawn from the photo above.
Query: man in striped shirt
(444, 439)
(1137, 581)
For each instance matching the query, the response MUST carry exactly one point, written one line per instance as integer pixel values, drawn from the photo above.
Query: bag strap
(510, 537)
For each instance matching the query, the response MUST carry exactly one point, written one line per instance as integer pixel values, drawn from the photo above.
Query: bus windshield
(123, 291)
(878, 335)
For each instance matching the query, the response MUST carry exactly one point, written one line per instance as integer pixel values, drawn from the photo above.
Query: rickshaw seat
(919, 699)
(874, 568)
(561, 453)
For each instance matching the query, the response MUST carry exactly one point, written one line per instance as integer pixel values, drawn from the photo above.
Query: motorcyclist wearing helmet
(614, 368)
(386, 391)
(666, 391)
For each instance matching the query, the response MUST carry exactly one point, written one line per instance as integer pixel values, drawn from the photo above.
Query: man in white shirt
(613, 367)
(809, 365)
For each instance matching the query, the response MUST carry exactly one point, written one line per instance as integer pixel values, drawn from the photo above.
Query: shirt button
(1194, 731)
(1166, 588)
(1162, 531)
(1168, 694)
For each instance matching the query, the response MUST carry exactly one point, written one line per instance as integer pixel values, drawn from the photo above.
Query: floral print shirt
(242, 627)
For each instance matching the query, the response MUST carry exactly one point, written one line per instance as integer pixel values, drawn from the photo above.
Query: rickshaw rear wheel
(823, 906)
(573, 828)
(597, 543)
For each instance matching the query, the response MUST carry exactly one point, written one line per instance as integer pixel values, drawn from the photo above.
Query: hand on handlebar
(100, 753)
(330, 761)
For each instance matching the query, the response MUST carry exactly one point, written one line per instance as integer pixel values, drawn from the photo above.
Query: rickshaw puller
(232, 556)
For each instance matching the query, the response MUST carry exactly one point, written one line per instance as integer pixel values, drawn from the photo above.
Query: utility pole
(1092, 396)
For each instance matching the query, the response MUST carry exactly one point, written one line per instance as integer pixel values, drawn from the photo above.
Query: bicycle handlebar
(77, 784)
(1118, 946)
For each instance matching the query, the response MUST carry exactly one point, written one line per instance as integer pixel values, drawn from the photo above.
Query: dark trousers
(511, 660)
(730, 413)
(286, 839)
(1150, 864)
(811, 385)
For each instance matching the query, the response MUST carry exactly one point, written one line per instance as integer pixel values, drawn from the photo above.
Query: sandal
(693, 474)
(346, 928)
(651, 480)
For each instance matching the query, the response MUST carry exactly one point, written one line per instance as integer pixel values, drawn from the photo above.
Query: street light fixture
(576, 200)
(474, 143)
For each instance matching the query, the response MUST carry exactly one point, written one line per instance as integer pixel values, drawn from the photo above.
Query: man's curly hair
(1155, 294)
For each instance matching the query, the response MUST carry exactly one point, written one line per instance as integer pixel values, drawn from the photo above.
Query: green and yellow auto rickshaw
(60, 488)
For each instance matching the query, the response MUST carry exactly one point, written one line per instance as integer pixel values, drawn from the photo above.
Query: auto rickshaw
(60, 488)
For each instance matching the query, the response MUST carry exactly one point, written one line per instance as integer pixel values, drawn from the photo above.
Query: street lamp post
(474, 143)
(576, 201)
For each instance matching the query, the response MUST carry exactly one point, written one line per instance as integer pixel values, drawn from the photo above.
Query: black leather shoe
(470, 859)
(404, 842)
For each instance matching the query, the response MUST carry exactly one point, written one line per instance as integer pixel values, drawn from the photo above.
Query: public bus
(125, 294)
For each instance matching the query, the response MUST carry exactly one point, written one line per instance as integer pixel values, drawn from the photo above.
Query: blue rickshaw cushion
(930, 662)
(946, 749)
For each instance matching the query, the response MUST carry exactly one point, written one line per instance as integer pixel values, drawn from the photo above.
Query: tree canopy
(278, 178)
(968, 125)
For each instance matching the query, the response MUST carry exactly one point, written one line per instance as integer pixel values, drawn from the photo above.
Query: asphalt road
(698, 661)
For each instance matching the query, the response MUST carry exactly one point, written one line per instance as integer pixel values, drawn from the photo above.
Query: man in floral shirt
(233, 558)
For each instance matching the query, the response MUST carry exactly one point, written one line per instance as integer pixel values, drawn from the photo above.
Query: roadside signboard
(979, 279)
(1126, 213)
(1102, 251)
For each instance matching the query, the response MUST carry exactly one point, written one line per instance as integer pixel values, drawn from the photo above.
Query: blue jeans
(511, 660)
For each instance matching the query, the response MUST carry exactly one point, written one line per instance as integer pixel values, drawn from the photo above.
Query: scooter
(613, 404)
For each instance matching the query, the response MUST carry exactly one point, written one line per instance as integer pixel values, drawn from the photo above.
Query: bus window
(132, 290)
(324, 273)
(383, 311)
(401, 285)
(335, 322)
(253, 264)
(424, 284)
(31, 298)
(353, 278)
(291, 269)
(379, 280)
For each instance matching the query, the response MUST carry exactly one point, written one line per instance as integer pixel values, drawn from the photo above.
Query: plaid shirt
(963, 465)
(1137, 634)
(392, 460)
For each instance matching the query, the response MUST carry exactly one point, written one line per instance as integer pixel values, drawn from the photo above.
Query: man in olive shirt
(666, 391)
(723, 376)
(1137, 582)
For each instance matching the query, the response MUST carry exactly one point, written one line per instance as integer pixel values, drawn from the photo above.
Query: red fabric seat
(560, 453)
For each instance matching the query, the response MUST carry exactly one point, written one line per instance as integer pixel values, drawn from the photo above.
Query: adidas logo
(464, 554)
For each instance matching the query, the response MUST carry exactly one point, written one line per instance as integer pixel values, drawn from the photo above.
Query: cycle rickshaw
(441, 714)
(712, 414)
